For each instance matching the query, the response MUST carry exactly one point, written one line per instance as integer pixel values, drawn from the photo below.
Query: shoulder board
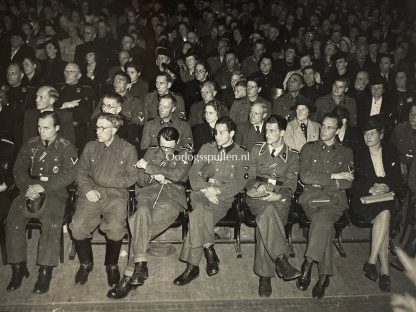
(34, 139)
(293, 150)
(151, 119)
(153, 147)
(64, 141)
(175, 93)
(259, 143)
(182, 118)
(242, 147)
(212, 143)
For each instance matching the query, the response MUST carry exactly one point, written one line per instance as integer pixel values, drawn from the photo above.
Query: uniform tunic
(152, 128)
(271, 217)
(323, 199)
(110, 170)
(151, 219)
(54, 168)
(229, 167)
(151, 103)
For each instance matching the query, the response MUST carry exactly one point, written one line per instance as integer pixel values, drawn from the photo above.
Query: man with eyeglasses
(166, 117)
(326, 171)
(112, 103)
(269, 191)
(77, 98)
(252, 131)
(106, 169)
(218, 174)
(163, 172)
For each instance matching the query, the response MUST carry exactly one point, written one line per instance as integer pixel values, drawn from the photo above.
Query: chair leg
(62, 246)
(392, 247)
(3, 241)
(288, 232)
(237, 237)
(338, 241)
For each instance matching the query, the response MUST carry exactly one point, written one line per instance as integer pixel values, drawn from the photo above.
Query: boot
(318, 291)
(285, 270)
(84, 251)
(19, 270)
(112, 252)
(140, 274)
(212, 260)
(121, 290)
(44, 280)
(304, 280)
(265, 286)
(191, 272)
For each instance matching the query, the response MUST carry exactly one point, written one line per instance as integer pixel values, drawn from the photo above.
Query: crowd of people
(272, 98)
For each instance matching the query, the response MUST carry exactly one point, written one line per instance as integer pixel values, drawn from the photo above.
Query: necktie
(46, 143)
(304, 128)
(258, 129)
(273, 153)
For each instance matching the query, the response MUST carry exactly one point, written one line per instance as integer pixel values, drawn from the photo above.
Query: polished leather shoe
(318, 291)
(44, 280)
(19, 270)
(82, 275)
(265, 286)
(121, 290)
(191, 272)
(396, 263)
(304, 280)
(384, 283)
(370, 271)
(140, 274)
(285, 270)
(113, 274)
(212, 260)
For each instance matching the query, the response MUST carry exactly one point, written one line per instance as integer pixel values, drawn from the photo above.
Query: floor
(233, 289)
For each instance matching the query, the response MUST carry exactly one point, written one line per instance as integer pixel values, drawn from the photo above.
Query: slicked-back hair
(277, 119)
(226, 120)
(55, 117)
(169, 97)
(113, 96)
(169, 134)
(115, 120)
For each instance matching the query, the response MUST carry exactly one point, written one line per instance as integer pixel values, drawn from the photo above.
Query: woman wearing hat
(301, 130)
(53, 67)
(377, 171)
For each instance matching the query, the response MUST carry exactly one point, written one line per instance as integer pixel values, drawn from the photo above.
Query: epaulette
(151, 119)
(293, 150)
(175, 93)
(213, 143)
(64, 141)
(182, 118)
(242, 147)
(34, 139)
(154, 146)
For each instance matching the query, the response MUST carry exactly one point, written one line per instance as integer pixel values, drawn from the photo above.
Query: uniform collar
(332, 147)
(169, 122)
(227, 148)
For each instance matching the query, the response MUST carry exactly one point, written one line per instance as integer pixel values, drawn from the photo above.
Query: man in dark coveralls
(106, 169)
(326, 171)
(219, 172)
(44, 167)
(275, 168)
(160, 198)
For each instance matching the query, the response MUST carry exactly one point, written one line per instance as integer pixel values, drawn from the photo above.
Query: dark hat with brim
(374, 122)
(163, 51)
(376, 80)
(172, 68)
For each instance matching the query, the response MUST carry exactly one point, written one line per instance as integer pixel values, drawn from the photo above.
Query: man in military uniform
(270, 191)
(218, 173)
(326, 104)
(161, 196)
(325, 170)
(44, 167)
(166, 117)
(78, 99)
(151, 102)
(106, 169)
(282, 106)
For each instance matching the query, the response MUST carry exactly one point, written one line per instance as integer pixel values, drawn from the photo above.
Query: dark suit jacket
(30, 128)
(202, 133)
(387, 110)
(352, 138)
(247, 136)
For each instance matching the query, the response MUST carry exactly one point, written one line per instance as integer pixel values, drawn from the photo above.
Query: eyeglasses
(104, 106)
(167, 148)
(98, 128)
(70, 72)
